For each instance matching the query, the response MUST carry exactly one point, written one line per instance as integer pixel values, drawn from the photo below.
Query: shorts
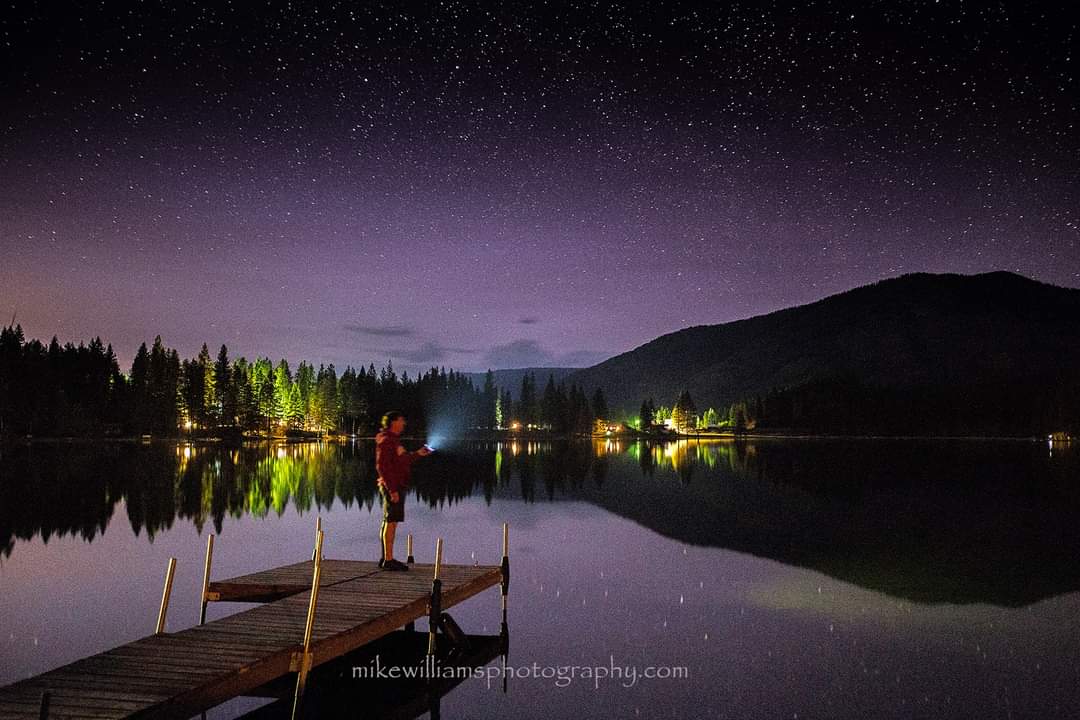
(391, 511)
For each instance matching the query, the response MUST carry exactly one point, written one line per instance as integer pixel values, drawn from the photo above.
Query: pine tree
(490, 401)
(507, 407)
(326, 404)
(305, 379)
(551, 408)
(211, 413)
(294, 408)
(226, 390)
(282, 387)
(599, 405)
(140, 410)
(247, 406)
(683, 414)
(262, 390)
(527, 401)
(737, 416)
(646, 415)
(191, 393)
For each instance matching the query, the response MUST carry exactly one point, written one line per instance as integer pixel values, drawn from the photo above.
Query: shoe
(381, 562)
(395, 565)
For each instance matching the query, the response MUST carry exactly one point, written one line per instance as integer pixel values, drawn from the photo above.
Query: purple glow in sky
(521, 184)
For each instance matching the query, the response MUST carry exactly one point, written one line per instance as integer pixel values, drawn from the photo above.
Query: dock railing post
(206, 578)
(435, 603)
(504, 567)
(165, 596)
(309, 627)
(409, 626)
(318, 531)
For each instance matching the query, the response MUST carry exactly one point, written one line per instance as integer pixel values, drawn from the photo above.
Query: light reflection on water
(823, 578)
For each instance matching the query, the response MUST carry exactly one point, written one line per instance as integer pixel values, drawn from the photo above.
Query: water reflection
(928, 521)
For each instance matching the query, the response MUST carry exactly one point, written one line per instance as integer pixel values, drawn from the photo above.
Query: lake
(788, 578)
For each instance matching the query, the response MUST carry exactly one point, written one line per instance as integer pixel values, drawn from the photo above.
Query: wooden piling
(504, 586)
(410, 626)
(438, 557)
(206, 578)
(435, 603)
(505, 566)
(318, 530)
(165, 596)
(309, 627)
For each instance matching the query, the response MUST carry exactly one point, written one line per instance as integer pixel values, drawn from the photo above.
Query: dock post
(309, 627)
(318, 530)
(409, 626)
(504, 567)
(206, 578)
(435, 603)
(165, 596)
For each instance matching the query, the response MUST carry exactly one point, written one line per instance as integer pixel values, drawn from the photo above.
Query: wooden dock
(178, 675)
(337, 693)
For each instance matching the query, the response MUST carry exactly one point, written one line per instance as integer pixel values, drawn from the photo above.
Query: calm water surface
(791, 579)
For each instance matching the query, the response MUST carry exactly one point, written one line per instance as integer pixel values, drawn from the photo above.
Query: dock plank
(276, 583)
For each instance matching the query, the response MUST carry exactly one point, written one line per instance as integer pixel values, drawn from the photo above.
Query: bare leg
(388, 531)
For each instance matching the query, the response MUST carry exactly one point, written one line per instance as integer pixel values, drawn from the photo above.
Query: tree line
(60, 390)
(684, 416)
(56, 390)
(558, 408)
(846, 406)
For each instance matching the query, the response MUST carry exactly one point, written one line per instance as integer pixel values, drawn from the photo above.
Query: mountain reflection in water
(929, 521)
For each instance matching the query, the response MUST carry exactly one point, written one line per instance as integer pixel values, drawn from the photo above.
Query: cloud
(529, 353)
(517, 353)
(380, 330)
(404, 344)
(428, 352)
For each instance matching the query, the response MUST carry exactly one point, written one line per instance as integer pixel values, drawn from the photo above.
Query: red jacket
(392, 462)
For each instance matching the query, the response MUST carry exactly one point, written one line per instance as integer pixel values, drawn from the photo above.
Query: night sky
(445, 183)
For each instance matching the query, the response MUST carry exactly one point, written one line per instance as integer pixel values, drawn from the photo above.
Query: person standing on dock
(393, 464)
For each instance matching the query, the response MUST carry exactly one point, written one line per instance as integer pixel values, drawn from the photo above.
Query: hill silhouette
(994, 353)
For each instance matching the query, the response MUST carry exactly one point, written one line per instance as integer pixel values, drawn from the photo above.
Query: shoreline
(496, 436)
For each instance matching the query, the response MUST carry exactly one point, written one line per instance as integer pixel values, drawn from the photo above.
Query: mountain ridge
(984, 340)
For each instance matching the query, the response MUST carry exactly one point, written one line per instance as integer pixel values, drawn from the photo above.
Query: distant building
(607, 427)
(687, 425)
